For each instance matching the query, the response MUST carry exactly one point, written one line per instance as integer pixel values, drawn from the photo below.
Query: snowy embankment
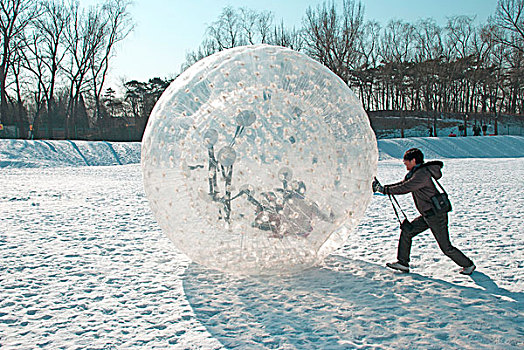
(455, 147)
(40, 153)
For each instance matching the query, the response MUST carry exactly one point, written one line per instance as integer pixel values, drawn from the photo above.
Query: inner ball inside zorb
(258, 160)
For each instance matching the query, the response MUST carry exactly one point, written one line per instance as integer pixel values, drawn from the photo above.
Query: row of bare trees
(55, 56)
(462, 67)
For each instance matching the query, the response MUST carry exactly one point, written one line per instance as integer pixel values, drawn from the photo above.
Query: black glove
(377, 187)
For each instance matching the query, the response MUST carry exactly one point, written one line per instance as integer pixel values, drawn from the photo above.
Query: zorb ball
(258, 160)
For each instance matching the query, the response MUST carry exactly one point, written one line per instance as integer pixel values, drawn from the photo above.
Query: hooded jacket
(418, 181)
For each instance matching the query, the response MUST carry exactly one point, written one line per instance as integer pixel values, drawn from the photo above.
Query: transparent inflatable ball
(258, 160)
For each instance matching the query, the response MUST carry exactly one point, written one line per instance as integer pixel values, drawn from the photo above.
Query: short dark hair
(414, 153)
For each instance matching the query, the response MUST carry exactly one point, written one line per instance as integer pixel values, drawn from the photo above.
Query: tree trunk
(435, 123)
(3, 94)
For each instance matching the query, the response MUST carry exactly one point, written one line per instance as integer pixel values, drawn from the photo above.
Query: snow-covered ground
(84, 265)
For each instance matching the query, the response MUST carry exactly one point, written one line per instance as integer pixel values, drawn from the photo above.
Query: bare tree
(332, 37)
(19, 112)
(226, 31)
(247, 22)
(235, 28)
(460, 35)
(115, 25)
(510, 17)
(395, 53)
(264, 22)
(397, 42)
(369, 44)
(365, 73)
(428, 49)
(207, 48)
(15, 17)
(83, 37)
(44, 54)
(428, 40)
(291, 38)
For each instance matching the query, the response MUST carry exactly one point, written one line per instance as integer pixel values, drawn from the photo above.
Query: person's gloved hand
(377, 187)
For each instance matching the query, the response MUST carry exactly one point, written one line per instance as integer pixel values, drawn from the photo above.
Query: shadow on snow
(350, 303)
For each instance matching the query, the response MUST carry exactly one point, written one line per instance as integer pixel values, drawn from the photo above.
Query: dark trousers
(438, 224)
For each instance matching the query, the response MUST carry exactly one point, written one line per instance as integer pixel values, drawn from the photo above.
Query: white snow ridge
(83, 264)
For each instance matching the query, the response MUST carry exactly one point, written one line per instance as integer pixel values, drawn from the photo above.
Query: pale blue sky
(167, 29)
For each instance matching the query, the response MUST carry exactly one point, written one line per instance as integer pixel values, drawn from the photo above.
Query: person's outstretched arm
(414, 183)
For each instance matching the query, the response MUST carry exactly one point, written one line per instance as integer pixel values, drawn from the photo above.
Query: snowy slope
(455, 147)
(40, 153)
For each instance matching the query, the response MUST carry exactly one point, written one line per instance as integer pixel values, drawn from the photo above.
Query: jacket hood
(434, 168)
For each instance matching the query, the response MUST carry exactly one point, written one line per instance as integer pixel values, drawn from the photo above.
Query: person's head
(413, 157)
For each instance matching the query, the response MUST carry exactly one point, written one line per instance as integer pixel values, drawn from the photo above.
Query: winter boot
(468, 270)
(398, 266)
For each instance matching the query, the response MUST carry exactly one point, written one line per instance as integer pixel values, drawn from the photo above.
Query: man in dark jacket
(419, 183)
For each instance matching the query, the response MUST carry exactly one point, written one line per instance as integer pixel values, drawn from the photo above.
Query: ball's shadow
(350, 303)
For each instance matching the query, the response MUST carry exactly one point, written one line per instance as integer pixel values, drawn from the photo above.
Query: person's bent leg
(439, 227)
(406, 237)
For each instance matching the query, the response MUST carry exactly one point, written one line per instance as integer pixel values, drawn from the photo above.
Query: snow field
(83, 264)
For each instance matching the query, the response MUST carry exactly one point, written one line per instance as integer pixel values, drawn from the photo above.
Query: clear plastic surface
(258, 160)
